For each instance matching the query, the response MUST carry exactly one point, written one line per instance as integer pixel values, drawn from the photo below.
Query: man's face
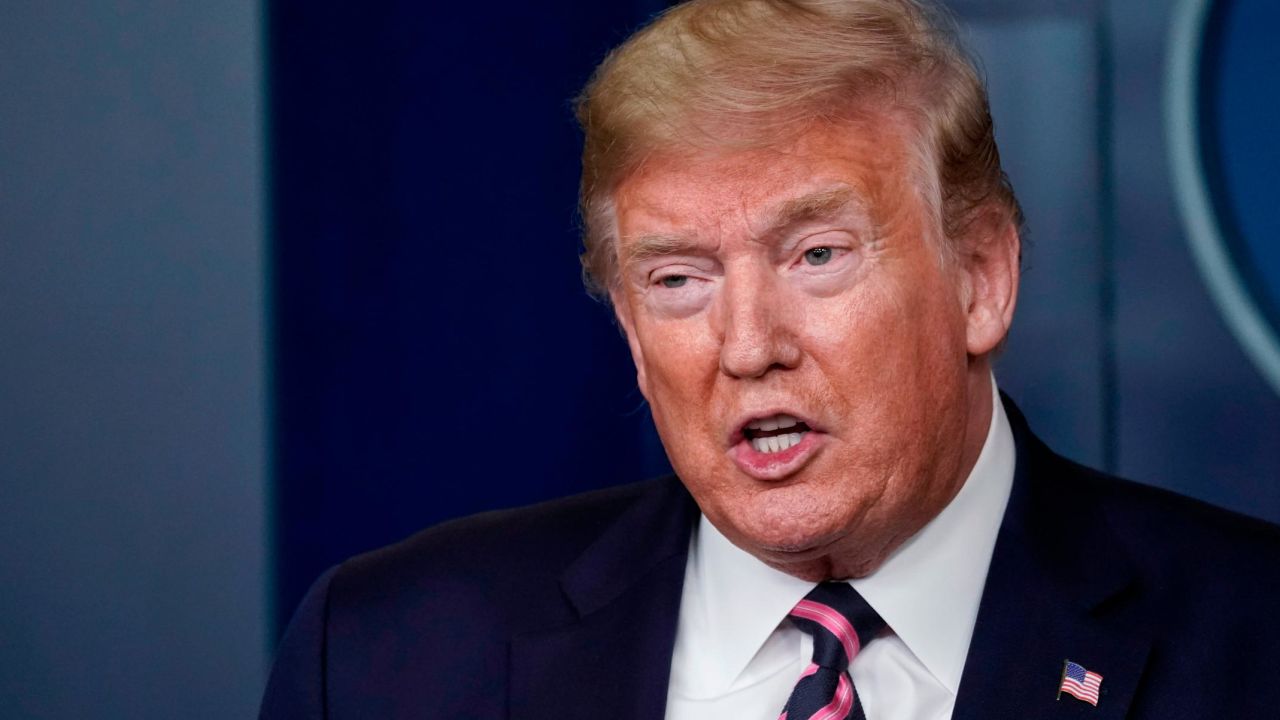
(806, 351)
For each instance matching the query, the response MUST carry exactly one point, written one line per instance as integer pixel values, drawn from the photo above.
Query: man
(797, 210)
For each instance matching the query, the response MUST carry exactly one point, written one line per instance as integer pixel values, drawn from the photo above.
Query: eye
(818, 255)
(674, 281)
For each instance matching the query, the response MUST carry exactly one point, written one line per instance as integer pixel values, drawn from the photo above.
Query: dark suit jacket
(568, 610)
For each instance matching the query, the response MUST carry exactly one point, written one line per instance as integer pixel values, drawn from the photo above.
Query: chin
(819, 566)
(813, 540)
(780, 533)
(816, 564)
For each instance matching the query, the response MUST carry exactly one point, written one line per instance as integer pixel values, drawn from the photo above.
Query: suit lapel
(1059, 588)
(615, 660)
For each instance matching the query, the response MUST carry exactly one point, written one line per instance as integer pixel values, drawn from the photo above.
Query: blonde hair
(740, 74)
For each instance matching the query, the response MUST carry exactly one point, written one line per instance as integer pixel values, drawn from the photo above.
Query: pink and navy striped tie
(841, 622)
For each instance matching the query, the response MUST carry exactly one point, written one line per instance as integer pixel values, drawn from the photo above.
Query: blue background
(1238, 123)
(435, 352)
(281, 283)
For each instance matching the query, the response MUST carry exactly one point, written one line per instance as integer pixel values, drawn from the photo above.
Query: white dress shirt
(736, 656)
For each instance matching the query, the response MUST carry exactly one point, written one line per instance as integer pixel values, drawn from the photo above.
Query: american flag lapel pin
(1079, 683)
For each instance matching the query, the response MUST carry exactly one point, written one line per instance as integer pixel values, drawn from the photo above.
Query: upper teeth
(774, 422)
(776, 443)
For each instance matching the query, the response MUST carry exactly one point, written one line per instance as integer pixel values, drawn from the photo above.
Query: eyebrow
(812, 206)
(794, 211)
(646, 247)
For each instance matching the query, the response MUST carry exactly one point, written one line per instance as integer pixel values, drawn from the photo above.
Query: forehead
(868, 162)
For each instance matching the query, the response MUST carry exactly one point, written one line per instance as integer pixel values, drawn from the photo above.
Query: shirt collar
(928, 590)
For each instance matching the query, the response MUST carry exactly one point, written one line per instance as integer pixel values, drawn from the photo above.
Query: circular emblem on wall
(1223, 122)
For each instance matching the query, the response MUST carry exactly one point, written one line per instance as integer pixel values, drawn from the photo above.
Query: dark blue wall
(435, 354)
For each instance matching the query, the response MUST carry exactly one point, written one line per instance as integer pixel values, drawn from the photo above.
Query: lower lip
(777, 465)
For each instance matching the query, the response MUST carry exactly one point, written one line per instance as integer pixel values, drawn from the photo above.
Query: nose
(757, 334)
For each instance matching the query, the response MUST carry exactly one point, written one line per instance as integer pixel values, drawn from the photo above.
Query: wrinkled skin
(808, 279)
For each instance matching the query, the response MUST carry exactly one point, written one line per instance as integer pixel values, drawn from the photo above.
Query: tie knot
(839, 620)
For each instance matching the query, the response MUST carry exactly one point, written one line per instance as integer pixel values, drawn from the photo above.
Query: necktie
(841, 622)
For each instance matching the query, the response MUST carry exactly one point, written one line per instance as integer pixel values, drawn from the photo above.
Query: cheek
(854, 338)
(680, 363)
(674, 348)
(891, 354)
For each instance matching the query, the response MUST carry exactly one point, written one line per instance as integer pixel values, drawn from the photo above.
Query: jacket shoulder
(374, 632)
(509, 561)
(1191, 552)
(1155, 517)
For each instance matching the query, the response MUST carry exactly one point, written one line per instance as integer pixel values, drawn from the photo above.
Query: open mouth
(774, 433)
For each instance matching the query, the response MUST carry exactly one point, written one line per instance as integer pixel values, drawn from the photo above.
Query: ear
(622, 310)
(991, 264)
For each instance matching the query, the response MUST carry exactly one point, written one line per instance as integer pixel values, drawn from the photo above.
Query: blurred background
(282, 283)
